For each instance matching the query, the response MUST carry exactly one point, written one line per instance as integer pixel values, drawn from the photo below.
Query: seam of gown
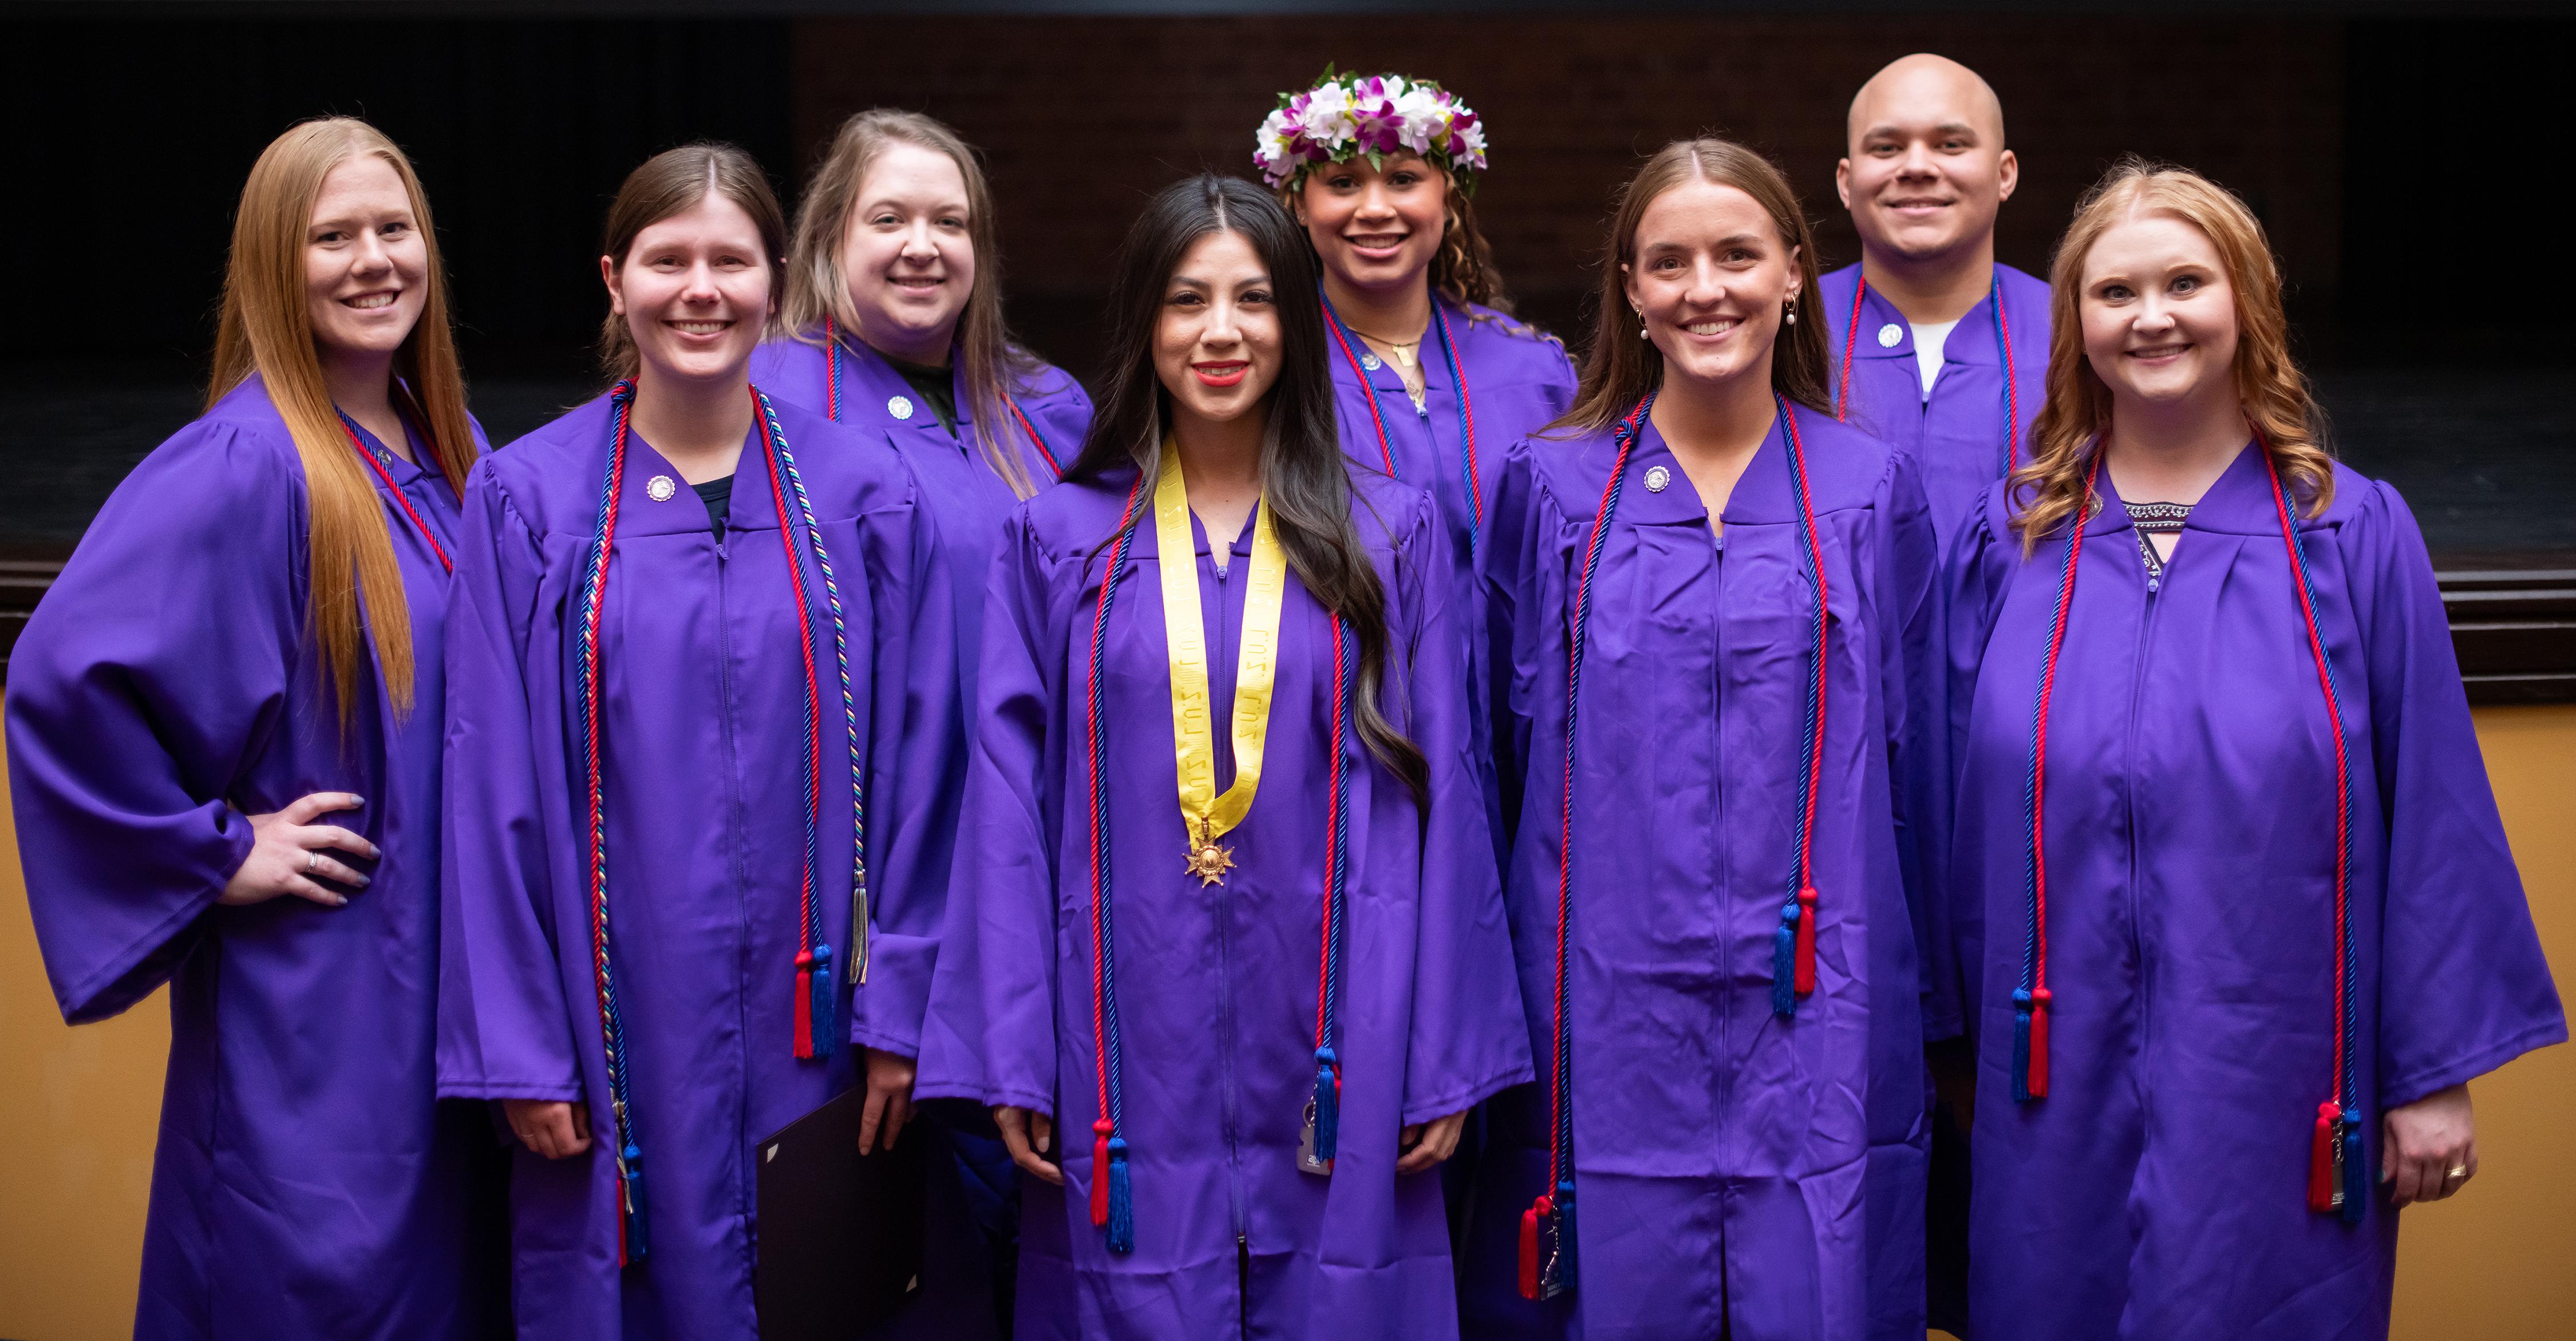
(2424, 1081)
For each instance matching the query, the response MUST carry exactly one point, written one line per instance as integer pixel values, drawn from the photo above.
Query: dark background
(2391, 155)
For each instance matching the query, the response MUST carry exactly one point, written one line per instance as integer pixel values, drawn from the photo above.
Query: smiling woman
(233, 694)
(751, 875)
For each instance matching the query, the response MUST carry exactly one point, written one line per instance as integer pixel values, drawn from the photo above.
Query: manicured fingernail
(363, 881)
(375, 853)
(338, 901)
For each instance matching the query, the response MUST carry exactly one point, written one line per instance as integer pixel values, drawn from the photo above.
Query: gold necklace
(1403, 350)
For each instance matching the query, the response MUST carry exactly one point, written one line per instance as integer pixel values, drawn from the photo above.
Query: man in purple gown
(1918, 329)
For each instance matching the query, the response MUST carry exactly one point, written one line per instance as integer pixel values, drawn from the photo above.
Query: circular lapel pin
(1370, 362)
(1889, 334)
(660, 488)
(900, 407)
(1656, 478)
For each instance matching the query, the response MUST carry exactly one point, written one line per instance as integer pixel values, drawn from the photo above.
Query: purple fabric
(1732, 1170)
(1957, 436)
(305, 1183)
(1216, 989)
(703, 726)
(2159, 1190)
(969, 499)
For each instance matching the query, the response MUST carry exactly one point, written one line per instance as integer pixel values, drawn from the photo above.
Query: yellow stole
(1207, 815)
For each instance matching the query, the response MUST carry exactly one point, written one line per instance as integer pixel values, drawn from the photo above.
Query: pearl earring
(1789, 309)
(1641, 324)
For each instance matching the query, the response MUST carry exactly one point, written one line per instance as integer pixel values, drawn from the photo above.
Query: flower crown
(1347, 115)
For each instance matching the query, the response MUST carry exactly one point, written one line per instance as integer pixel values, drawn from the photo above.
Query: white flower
(1270, 149)
(1328, 115)
(1423, 117)
(1470, 146)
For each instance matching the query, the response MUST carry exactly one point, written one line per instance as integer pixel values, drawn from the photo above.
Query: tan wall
(77, 1110)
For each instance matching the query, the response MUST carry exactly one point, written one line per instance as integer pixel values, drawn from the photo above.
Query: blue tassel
(1565, 1233)
(631, 1199)
(2021, 1046)
(1122, 1210)
(1784, 962)
(1328, 1106)
(2356, 1175)
(826, 1037)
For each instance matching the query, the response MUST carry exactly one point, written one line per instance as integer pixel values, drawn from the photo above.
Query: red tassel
(1806, 976)
(1531, 1219)
(804, 1004)
(2321, 1183)
(1100, 1172)
(2038, 1085)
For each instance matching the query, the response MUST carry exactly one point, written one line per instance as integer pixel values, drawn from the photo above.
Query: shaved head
(1911, 83)
(1923, 172)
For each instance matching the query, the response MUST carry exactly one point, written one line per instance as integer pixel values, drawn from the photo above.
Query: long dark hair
(1619, 368)
(1304, 480)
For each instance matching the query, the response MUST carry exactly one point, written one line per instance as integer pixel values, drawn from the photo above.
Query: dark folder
(840, 1232)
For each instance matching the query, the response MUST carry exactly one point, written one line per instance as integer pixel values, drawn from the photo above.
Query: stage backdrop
(2491, 1264)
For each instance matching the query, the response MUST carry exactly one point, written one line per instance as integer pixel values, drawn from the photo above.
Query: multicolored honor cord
(349, 427)
(832, 397)
(2338, 1175)
(2003, 355)
(815, 994)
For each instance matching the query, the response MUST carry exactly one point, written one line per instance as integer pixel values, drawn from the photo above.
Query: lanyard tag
(1306, 1160)
(1551, 1278)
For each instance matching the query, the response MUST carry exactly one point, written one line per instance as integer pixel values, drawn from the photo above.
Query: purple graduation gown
(1956, 436)
(1735, 1173)
(1216, 991)
(962, 489)
(305, 1182)
(2160, 1189)
(703, 728)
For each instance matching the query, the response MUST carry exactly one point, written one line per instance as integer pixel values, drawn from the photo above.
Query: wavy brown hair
(2275, 394)
(1305, 478)
(1618, 368)
(991, 363)
(352, 578)
(673, 182)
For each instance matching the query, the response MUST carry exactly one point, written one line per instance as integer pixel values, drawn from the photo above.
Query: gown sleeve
(913, 773)
(991, 1032)
(142, 689)
(1974, 577)
(1910, 671)
(503, 1031)
(2463, 987)
(1469, 1039)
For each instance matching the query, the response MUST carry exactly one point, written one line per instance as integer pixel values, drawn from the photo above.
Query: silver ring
(2460, 1172)
(312, 862)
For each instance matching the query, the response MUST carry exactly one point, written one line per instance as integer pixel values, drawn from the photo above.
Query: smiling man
(1918, 330)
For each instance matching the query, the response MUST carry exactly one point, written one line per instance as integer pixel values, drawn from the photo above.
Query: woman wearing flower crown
(1432, 376)
(2237, 916)
(1227, 1029)
(1713, 604)
(700, 679)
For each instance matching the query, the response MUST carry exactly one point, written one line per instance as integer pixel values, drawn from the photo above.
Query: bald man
(1913, 329)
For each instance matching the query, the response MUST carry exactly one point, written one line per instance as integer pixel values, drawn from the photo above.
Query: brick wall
(1082, 117)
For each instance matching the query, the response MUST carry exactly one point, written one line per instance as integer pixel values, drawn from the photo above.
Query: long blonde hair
(1619, 368)
(266, 328)
(2274, 393)
(992, 365)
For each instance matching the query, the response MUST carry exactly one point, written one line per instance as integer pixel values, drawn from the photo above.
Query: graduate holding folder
(700, 677)
(1225, 935)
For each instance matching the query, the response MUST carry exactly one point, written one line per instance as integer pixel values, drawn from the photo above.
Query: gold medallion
(1209, 864)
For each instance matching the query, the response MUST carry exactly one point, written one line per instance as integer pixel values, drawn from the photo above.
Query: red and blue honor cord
(1548, 1271)
(2338, 1178)
(1469, 470)
(832, 397)
(2003, 355)
(349, 427)
(815, 1033)
(1112, 1186)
